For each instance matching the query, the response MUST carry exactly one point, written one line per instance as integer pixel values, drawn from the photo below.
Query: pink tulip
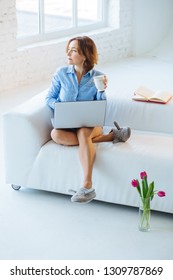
(161, 193)
(143, 175)
(135, 183)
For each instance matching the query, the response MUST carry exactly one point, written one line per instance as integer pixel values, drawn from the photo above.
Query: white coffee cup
(98, 80)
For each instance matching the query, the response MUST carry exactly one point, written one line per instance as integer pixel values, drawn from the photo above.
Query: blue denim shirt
(65, 87)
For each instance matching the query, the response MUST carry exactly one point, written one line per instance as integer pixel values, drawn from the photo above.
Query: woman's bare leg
(98, 135)
(64, 137)
(87, 154)
(84, 137)
(69, 137)
(87, 137)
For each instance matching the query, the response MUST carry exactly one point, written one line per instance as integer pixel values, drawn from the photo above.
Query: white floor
(40, 225)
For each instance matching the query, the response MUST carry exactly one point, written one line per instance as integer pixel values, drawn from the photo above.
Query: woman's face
(73, 56)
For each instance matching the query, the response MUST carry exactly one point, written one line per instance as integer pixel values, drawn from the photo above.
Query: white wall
(152, 21)
(143, 24)
(22, 66)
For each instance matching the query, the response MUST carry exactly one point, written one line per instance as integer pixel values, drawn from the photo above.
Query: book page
(145, 92)
(162, 95)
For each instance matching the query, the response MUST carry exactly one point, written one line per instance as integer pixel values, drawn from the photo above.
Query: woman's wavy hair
(88, 48)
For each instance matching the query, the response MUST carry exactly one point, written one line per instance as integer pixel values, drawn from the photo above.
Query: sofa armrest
(26, 128)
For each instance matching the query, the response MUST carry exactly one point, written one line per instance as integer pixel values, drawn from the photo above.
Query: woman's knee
(97, 131)
(84, 132)
(64, 137)
(55, 136)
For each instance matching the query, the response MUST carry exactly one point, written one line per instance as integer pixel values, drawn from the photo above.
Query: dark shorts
(70, 129)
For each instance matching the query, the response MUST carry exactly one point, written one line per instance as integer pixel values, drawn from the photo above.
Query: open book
(147, 95)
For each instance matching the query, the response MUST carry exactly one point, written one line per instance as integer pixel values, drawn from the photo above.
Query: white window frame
(45, 36)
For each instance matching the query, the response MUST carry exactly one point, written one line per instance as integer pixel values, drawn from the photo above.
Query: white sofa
(33, 160)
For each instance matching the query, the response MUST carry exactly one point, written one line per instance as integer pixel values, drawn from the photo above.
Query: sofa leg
(15, 187)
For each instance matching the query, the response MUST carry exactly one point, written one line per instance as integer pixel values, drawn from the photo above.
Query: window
(48, 19)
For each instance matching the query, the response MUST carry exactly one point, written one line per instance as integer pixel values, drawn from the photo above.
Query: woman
(74, 83)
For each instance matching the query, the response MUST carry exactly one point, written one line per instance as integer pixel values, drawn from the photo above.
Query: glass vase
(144, 214)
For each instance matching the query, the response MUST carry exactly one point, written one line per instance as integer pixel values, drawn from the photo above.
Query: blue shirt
(65, 87)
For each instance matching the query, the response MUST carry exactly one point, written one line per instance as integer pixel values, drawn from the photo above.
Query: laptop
(79, 114)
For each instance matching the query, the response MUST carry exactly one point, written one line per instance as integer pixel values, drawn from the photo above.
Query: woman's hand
(105, 81)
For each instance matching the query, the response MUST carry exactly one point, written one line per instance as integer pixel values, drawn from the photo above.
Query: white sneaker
(84, 195)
